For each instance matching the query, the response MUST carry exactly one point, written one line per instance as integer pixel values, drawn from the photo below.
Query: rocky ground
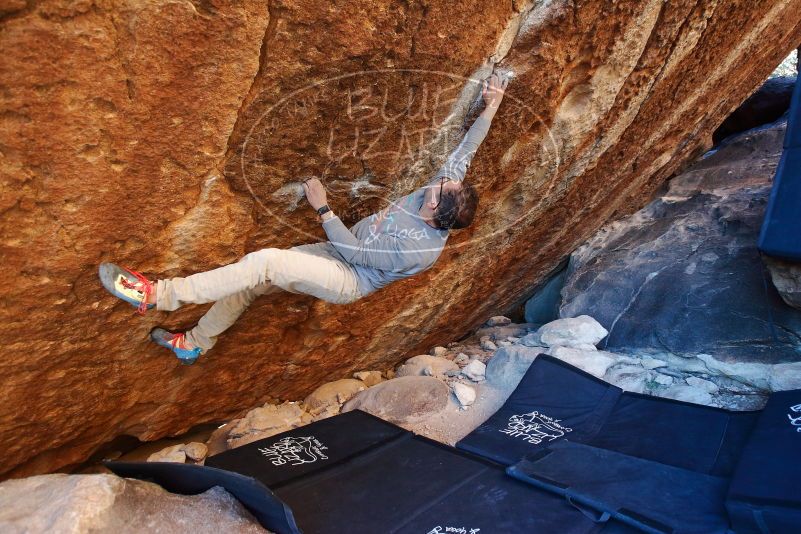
(67, 504)
(447, 393)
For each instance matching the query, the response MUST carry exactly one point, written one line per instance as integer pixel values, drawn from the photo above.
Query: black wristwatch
(323, 209)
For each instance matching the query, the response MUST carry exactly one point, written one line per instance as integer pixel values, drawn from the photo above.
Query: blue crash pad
(781, 230)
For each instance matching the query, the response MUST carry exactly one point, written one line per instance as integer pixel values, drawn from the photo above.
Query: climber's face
(434, 192)
(433, 197)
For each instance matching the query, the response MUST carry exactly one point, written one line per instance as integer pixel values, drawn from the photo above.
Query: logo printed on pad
(295, 451)
(535, 428)
(454, 530)
(795, 421)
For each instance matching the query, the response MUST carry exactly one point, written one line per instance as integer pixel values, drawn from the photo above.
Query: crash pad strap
(647, 495)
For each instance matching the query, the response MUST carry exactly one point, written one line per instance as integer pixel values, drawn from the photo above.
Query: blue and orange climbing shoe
(128, 285)
(176, 342)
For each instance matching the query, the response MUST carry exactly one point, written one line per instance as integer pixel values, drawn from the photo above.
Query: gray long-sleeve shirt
(396, 242)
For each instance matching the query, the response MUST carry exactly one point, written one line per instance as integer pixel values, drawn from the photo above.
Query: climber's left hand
(493, 90)
(315, 193)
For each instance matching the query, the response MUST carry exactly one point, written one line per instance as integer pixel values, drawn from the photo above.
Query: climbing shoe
(127, 284)
(176, 342)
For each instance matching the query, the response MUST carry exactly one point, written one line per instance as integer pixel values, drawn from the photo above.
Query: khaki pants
(314, 269)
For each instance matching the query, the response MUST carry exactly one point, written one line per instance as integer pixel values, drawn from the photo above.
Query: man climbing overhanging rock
(399, 241)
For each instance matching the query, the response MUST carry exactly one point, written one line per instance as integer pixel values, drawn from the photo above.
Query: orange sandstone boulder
(171, 136)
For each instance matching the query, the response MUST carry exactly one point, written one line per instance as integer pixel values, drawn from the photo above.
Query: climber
(397, 242)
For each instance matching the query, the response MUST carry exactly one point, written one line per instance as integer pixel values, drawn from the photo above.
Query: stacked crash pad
(781, 230)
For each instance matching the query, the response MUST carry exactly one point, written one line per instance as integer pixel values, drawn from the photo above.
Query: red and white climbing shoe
(128, 285)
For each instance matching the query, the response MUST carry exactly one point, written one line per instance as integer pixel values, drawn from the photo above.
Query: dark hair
(457, 208)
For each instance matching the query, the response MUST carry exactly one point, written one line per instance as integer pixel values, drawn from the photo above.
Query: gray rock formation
(543, 306)
(683, 276)
(767, 104)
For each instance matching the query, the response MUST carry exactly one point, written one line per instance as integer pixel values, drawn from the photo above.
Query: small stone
(664, 380)
(513, 339)
(628, 377)
(263, 422)
(370, 378)
(498, 320)
(475, 371)
(325, 414)
(652, 363)
(462, 358)
(683, 392)
(389, 374)
(465, 394)
(488, 345)
(439, 351)
(173, 454)
(218, 441)
(752, 373)
(784, 376)
(196, 451)
(426, 365)
(531, 340)
(572, 331)
(504, 343)
(333, 393)
(786, 278)
(595, 362)
(700, 383)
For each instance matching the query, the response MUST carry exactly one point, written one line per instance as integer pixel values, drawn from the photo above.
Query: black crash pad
(307, 449)
(765, 491)
(647, 495)
(366, 475)
(556, 401)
